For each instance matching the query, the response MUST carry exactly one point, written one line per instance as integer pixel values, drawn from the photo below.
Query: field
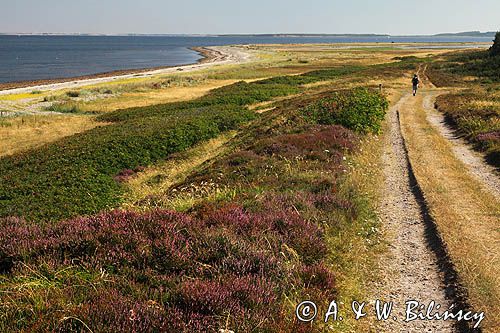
(210, 201)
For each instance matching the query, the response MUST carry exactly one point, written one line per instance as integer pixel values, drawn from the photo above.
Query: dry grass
(160, 96)
(17, 97)
(22, 133)
(157, 179)
(360, 260)
(466, 215)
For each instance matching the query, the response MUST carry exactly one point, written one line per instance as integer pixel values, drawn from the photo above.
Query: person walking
(416, 82)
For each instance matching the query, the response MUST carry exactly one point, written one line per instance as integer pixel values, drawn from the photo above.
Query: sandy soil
(219, 55)
(411, 270)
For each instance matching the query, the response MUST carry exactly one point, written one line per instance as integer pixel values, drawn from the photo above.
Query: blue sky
(252, 16)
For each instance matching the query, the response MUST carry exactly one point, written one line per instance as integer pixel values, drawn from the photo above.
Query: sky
(396, 17)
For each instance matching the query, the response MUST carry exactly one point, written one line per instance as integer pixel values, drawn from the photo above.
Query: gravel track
(411, 268)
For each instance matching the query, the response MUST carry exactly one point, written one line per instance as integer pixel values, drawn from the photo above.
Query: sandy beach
(213, 55)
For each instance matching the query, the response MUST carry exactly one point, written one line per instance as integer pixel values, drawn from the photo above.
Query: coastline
(210, 55)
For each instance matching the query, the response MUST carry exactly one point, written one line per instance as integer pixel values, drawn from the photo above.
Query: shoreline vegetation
(240, 186)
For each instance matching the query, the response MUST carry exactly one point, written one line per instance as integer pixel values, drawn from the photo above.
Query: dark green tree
(495, 49)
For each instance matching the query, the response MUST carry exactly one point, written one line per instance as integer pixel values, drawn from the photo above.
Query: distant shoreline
(208, 55)
(471, 34)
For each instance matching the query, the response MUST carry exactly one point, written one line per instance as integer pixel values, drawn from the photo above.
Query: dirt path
(462, 201)
(441, 211)
(484, 173)
(411, 268)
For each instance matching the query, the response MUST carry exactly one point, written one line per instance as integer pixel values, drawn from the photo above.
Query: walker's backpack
(415, 81)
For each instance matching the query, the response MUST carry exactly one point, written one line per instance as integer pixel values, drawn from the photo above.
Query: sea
(42, 57)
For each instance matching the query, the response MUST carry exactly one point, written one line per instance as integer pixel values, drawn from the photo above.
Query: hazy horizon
(219, 17)
(236, 34)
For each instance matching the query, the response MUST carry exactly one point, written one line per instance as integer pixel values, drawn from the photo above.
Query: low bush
(167, 271)
(238, 262)
(73, 93)
(479, 64)
(65, 107)
(361, 110)
(240, 93)
(77, 175)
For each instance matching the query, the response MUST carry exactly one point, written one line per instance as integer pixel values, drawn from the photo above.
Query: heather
(164, 271)
(457, 68)
(473, 112)
(265, 229)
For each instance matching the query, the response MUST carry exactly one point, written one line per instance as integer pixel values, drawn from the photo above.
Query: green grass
(75, 176)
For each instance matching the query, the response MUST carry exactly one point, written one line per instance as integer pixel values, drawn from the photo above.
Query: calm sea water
(25, 58)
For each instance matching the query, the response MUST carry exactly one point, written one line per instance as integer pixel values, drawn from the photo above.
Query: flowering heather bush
(324, 143)
(263, 163)
(126, 174)
(319, 277)
(111, 311)
(221, 262)
(490, 136)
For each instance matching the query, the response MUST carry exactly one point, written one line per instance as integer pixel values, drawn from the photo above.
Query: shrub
(479, 125)
(65, 107)
(495, 48)
(471, 63)
(324, 143)
(169, 270)
(49, 98)
(81, 168)
(360, 109)
(73, 93)
(218, 266)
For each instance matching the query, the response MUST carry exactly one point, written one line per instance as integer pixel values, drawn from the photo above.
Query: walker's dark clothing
(415, 81)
